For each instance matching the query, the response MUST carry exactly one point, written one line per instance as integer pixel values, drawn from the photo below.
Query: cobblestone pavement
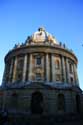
(41, 120)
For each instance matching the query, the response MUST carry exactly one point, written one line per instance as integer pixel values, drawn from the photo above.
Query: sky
(62, 18)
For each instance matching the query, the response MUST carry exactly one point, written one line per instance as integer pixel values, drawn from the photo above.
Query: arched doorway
(36, 103)
(61, 103)
(78, 103)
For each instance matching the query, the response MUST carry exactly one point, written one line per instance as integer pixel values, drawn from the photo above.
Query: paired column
(11, 70)
(76, 75)
(47, 68)
(53, 69)
(63, 70)
(4, 76)
(67, 71)
(24, 68)
(14, 70)
(30, 68)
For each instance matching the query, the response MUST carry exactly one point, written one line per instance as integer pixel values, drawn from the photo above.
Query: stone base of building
(40, 98)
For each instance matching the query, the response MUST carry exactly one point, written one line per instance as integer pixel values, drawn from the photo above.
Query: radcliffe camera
(40, 78)
(41, 62)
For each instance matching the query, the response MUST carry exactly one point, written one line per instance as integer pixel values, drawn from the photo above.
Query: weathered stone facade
(40, 76)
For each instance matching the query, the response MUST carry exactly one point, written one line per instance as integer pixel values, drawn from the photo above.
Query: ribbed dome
(42, 35)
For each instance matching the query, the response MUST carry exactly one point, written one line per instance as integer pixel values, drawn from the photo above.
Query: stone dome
(43, 36)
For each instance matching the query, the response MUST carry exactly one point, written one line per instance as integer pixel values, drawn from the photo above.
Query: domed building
(40, 77)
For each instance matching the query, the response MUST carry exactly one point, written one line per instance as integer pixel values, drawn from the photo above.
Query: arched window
(61, 102)
(57, 64)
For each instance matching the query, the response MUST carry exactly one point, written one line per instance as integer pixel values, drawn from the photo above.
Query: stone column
(76, 75)
(14, 70)
(74, 81)
(53, 68)
(11, 70)
(47, 68)
(50, 67)
(44, 66)
(63, 69)
(30, 68)
(24, 68)
(67, 71)
(4, 76)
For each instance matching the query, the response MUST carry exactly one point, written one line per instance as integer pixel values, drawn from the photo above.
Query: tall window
(38, 60)
(61, 102)
(38, 76)
(57, 64)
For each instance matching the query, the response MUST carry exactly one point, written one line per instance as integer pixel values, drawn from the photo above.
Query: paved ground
(41, 120)
(15, 122)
